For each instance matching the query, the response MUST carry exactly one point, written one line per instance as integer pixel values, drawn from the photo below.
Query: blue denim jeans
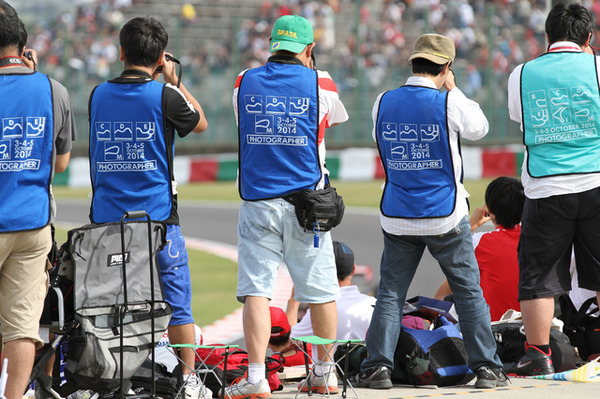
(454, 252)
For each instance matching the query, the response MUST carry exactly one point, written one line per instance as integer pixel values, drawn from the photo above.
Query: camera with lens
(159, 69)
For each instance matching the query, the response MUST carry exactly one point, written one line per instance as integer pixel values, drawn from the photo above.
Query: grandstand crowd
(363, 44)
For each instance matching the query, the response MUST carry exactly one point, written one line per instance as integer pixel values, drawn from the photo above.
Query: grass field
(214, 278)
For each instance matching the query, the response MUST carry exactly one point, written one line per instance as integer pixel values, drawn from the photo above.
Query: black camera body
(170, 58)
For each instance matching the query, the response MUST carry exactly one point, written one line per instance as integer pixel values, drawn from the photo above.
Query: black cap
(344, 260)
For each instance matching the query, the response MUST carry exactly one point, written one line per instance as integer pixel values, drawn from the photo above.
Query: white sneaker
(195, 389)
(242, 389)
(81, 394)
(321, 384)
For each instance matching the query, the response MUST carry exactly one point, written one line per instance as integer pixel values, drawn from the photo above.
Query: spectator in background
(280, 343)
(354, 309)
(38, 129)
(556, 101)
(496, 250)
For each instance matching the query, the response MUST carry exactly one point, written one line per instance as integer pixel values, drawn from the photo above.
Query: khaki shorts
(23, 282)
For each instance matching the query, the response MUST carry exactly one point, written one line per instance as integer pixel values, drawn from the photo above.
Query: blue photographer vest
(561, 114)
(278, 131)
(412, 137)
(129, 164)
(26, 145)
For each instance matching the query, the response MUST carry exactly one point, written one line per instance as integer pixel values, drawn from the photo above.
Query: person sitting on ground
(283, 347)
(354, 308)
(496, 250)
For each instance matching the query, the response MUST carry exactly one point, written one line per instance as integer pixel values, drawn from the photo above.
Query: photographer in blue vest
(282, 110)
(417, 128)
(133, 119)
(37, 130)
(555, 99)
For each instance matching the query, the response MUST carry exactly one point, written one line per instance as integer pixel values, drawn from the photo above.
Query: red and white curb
(229, 329)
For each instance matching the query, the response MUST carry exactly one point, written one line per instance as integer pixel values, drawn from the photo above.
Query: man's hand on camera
(168, 70)
(29, 58)
(450, 82)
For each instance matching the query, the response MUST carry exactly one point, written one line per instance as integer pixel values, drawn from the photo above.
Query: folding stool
(202, 367)
(316, 341)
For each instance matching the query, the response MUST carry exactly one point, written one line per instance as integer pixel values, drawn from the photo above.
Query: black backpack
(510, 346)
(582, 329)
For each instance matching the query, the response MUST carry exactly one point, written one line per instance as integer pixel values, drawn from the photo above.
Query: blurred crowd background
(363, 44)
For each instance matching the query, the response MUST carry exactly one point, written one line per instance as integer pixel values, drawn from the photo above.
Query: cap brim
(294, 47)
(431, 57)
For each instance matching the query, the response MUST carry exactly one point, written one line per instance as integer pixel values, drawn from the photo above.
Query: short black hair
(23, 40)
(572, 22)
(10, 28)
(285, 53)
(422, 65)
(505, 198)
(143, 40)
(281, 340)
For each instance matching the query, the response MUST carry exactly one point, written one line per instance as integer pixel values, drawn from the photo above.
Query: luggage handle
(135, 215)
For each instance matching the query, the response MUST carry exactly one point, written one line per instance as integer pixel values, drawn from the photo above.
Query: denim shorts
(269, 233)
(175, 275)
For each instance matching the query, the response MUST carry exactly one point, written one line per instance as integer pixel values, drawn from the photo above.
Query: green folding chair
(316, 341)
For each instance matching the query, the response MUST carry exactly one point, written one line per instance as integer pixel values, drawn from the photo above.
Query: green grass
(214, 281)
(361, 193)
(214, 278)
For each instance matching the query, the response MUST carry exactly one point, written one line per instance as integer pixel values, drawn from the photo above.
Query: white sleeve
(465, 116)
(374, 114)
(331, 106)
(514, 95)
(477, 237)
(235, 95)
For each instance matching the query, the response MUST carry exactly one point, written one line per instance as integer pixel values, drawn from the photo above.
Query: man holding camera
(282, 110)
(37, 131)
(133, 120)
(556, 100)
(417, 128)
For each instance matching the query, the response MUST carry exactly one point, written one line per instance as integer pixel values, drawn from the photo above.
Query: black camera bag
(318, 210)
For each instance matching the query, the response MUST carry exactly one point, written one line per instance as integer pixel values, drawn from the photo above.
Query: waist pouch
(317, 210)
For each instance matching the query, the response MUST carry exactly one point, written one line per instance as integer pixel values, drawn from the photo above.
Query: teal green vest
(561, 114)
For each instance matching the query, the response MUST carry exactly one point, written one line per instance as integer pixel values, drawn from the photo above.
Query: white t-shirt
(354, 316)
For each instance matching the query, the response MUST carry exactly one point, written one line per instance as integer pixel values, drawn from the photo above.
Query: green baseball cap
(291, 33)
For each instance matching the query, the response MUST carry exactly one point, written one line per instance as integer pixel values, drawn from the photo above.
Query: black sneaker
(489, 377)
(376, 378)
(534, 362)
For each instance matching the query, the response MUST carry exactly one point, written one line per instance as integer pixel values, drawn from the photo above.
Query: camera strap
(175, 60)
(11, 61)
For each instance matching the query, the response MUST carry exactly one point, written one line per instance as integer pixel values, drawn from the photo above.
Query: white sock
(256, 372)
(323, 368)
